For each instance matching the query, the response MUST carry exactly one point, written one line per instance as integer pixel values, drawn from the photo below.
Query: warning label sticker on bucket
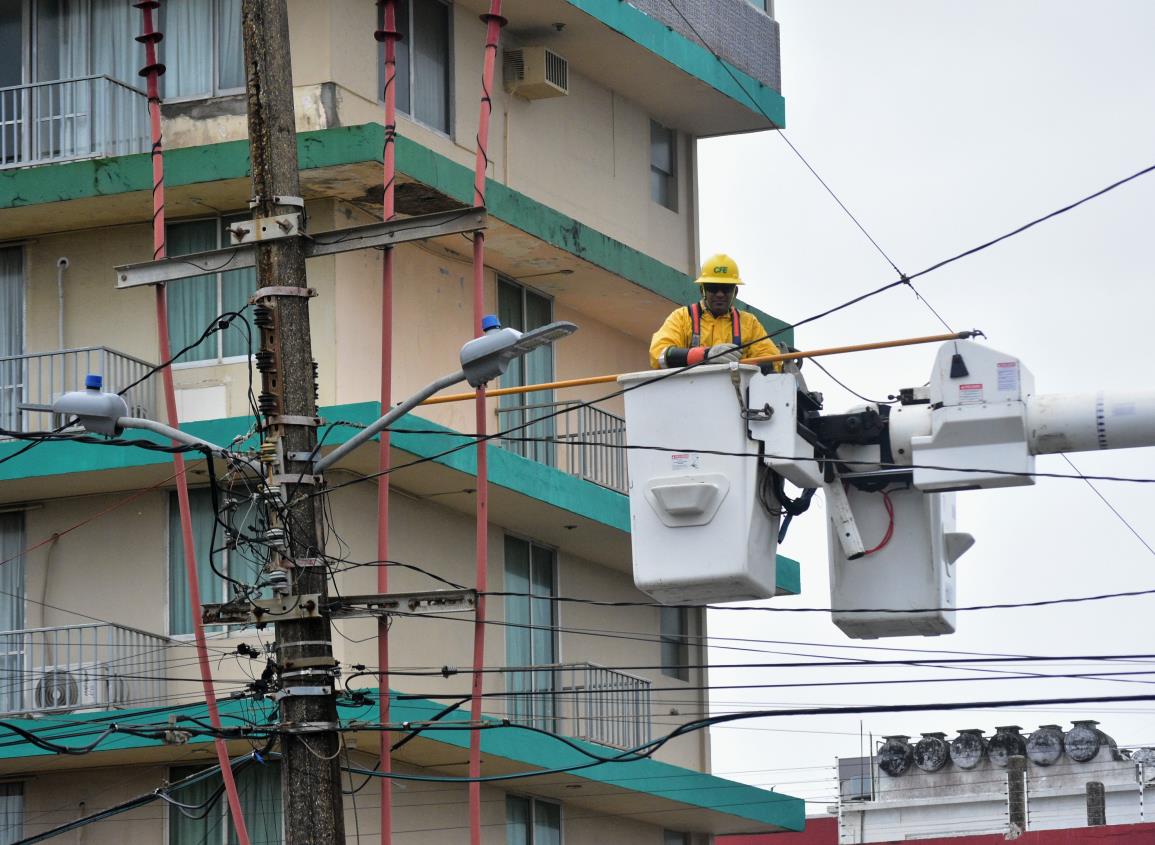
(1008, 375)
(968, 394)
(683, 460)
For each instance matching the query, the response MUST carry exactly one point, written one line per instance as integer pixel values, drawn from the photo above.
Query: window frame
(220, 358)
(532, 803)
(450, 100)
(670, 176)
(215, 89)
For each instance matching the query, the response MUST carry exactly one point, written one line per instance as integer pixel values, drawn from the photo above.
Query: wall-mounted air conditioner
(78, 686)
(535, 73)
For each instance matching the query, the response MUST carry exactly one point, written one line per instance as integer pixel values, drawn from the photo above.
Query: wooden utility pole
(310, 770)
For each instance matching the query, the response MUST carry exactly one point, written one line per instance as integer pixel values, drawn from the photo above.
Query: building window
(424, 61)
(528, 414)
(529, 821)
(675, 837)
(210, 556)
(11, 812)
(531, 632)
(11, 614)
(663, 166)
(194, 303)
(202, 48)
(259, 788)
(674, 635)
(11, 336)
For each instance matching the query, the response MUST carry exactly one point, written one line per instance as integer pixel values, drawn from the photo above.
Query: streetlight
(482, 359)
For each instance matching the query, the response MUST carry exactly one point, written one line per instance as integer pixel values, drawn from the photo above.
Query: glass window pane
(212, 588)
(236, 287)
(192, 303)
(431, 63)
(546, 823)
(11, 812)
(259, 786)
(187, 48)
(674, 837)
(516, 820)
(661, 148)
(230, 52)
(183, 830)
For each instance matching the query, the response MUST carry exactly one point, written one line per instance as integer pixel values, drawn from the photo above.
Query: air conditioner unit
(535, 73)
(78, 686)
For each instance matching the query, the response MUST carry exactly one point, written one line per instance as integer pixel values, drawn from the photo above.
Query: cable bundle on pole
(152, 71)
(493, 24)
(388, 36)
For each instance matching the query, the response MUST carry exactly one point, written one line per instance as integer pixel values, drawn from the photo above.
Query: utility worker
(712, 329)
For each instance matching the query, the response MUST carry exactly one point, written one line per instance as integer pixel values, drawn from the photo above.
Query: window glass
(202, 48)
(674, 837)
(193, 303)
(663, 173)
(673, 634)
(259, 788)
(530, 635)
(531, 822)
(11, 812)
(424, 61)
(520, 308)
(11, 610)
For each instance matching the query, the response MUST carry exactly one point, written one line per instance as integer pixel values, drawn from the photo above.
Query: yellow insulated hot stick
(766, 359)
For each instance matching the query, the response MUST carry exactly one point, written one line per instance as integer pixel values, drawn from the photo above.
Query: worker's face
(719, 298)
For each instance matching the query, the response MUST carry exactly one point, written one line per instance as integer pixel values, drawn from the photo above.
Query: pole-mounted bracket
(263, 611)
(433, 601)
(265, 229)
(302, 691)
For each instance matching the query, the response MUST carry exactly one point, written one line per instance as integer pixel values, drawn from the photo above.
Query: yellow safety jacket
(678, 331)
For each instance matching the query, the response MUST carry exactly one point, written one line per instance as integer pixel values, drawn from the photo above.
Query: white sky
(941, 125)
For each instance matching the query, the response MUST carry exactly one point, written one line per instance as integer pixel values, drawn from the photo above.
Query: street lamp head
(95, 410)
(487, 357)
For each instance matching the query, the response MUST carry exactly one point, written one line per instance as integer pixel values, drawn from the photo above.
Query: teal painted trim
(417, 436)
(528, 748)
(688, 55)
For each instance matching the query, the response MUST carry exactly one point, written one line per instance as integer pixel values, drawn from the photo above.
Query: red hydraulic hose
(494, 22)
(389, 36)
(152, 71)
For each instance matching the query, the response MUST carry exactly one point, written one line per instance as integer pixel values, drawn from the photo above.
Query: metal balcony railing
(37, 378)
(584, 441)
(80, 667)
(87, 117)
(581, 700)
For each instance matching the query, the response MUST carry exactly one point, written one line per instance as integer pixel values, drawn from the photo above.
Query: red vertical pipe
(389, 36)
(152, 71)
(494, 22)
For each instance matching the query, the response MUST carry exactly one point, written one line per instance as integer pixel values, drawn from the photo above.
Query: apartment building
(592, 219)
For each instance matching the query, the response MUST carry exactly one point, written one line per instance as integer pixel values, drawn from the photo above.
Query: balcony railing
(581, 700)
(69, 119)
(583, 440)
(37, 378)
(80, 667)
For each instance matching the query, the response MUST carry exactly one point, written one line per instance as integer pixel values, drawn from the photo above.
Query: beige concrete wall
(53, 799)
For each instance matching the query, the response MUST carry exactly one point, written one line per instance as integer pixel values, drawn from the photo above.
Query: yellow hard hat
(719, 269)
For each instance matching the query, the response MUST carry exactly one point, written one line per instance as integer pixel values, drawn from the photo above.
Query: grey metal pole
(395, 413)
(310, 776)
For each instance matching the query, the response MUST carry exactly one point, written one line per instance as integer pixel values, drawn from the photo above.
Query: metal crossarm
(368, 236)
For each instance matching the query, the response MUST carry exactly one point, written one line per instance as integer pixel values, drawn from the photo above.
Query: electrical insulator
(278, 581)
(262, 317)
(275, 537)
(268, 452)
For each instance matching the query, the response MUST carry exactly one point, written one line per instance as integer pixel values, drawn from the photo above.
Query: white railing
(80, 667)
(581, 700)
(70, 119)
(582, 440)
(38, 378)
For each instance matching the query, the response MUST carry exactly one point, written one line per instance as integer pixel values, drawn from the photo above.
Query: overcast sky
(942, 124)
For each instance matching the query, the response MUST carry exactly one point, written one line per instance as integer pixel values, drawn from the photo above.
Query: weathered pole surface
(311, 777)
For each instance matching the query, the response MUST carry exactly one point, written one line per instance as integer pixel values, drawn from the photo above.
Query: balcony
(582, 440)
(80, 667)
(581, 700)
(37, 378)
(88, 117)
